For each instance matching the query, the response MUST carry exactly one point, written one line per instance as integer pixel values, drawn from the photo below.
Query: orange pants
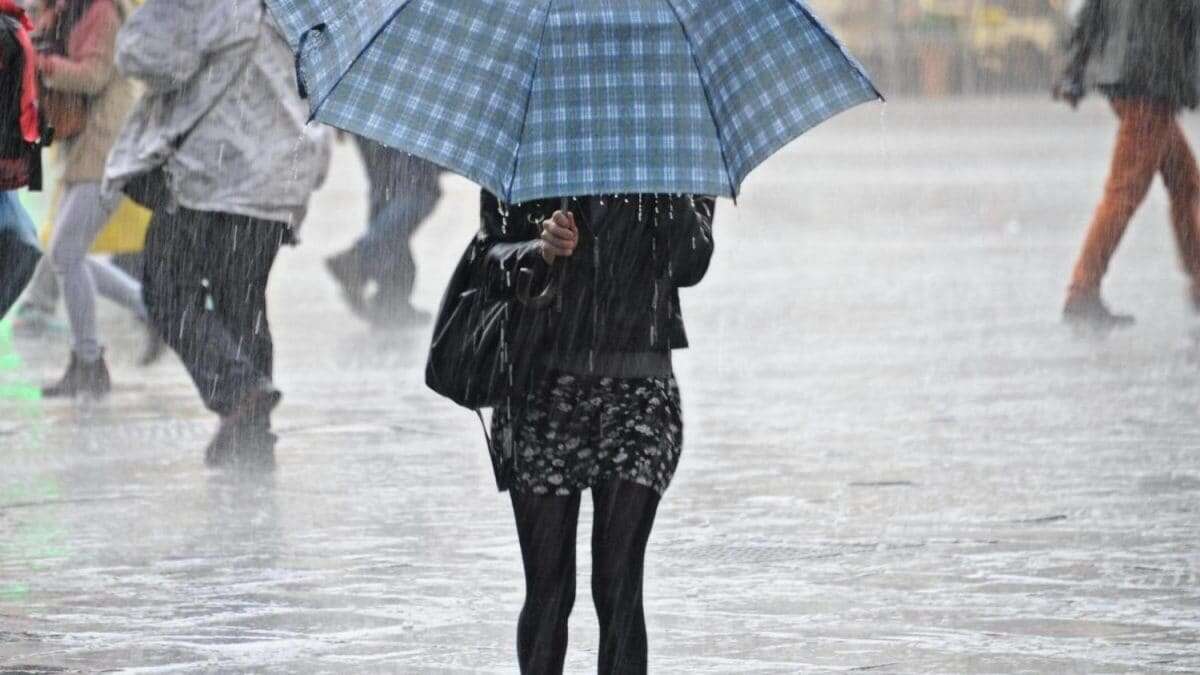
(1150, 141)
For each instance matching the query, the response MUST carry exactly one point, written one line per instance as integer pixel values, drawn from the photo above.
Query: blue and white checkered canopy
(537, 99)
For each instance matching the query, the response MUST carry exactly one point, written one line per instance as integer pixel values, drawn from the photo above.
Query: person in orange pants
(1142, 56)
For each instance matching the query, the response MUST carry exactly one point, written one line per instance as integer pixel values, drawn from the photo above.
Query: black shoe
(241, 446)
(346, 268)
(1087, 310)
(244, 436)
(81, 378)
(391, 315)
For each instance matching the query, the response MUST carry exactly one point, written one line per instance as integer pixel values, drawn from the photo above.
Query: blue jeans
(403, 192)
(20, 242)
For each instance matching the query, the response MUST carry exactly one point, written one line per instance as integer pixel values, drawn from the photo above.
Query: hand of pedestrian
(559, 237)
(1068, 91)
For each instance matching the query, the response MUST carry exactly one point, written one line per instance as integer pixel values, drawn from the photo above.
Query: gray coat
(222, 113)
(1138, 48)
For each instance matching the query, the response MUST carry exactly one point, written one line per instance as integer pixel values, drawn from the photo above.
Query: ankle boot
(81, 377)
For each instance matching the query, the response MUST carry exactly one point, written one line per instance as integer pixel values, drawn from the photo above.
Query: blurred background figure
(1142, 56)
(220, 149)
(85, 101)
(20, 151)
(121, 237)
(403, 192)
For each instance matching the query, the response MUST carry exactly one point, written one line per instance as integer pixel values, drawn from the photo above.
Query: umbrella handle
(550, 293)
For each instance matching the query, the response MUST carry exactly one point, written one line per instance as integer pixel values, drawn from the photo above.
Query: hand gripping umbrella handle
(550, 293)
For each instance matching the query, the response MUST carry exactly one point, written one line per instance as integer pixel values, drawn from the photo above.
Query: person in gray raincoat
(1142, 55)
(221, 149)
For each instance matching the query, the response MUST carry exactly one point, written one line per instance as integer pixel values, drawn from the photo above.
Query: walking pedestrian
(77, 39)
(220, 149)
(603, 411)
(20, 151)
(404, 190)
(1143, 57)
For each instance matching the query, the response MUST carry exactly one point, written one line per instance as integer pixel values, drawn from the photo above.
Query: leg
(546, 527)
(42, 294)
(241, 300)
(81, 216)
(624, 516)
(113, 283)
(348, 267)
(192, 265)
(1182, 178)
(1140, 144)
(412, 192)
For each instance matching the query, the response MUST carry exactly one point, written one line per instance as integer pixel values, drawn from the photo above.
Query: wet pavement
(897, 459)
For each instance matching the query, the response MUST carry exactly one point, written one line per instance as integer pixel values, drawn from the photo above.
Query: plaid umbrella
(535, 99)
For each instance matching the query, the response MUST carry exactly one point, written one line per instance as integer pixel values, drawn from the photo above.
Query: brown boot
(1087, 310)
(81, 378)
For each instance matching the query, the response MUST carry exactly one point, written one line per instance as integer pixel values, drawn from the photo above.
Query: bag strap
(487, 436)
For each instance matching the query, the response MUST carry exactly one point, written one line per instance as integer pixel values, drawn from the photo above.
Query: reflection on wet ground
(897, 460)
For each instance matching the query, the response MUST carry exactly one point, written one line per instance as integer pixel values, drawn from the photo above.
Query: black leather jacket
(618, 312)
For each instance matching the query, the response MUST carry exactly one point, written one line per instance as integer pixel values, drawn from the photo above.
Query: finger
(559, 231)
(564, 219)
(559, 244)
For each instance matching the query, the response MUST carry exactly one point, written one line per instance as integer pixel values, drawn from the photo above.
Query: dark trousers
(546, 526)
(205, 285)
(404, 191)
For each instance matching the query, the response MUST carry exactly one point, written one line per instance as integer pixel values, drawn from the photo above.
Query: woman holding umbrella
(603, 413)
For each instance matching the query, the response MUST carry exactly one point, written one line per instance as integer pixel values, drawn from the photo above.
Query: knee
(65, 259)
(609, 591)
(551, 597)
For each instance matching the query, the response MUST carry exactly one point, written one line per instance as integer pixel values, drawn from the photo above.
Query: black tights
(624, 515)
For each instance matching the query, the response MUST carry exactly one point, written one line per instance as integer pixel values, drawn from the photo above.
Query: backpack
(20, 160)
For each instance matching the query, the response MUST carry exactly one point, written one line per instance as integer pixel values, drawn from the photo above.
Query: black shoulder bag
(485, 349)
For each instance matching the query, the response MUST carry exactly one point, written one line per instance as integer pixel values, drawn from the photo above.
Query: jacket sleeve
(507, 261)
(1090, 33)
(689, 239)
(164, 43)
(89, 69)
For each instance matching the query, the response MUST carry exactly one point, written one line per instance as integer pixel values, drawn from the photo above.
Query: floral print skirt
(575, 432)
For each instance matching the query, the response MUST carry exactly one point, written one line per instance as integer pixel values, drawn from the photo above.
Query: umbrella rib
(712, 110)
(837, 45)
(316, 109)
(537, 63)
